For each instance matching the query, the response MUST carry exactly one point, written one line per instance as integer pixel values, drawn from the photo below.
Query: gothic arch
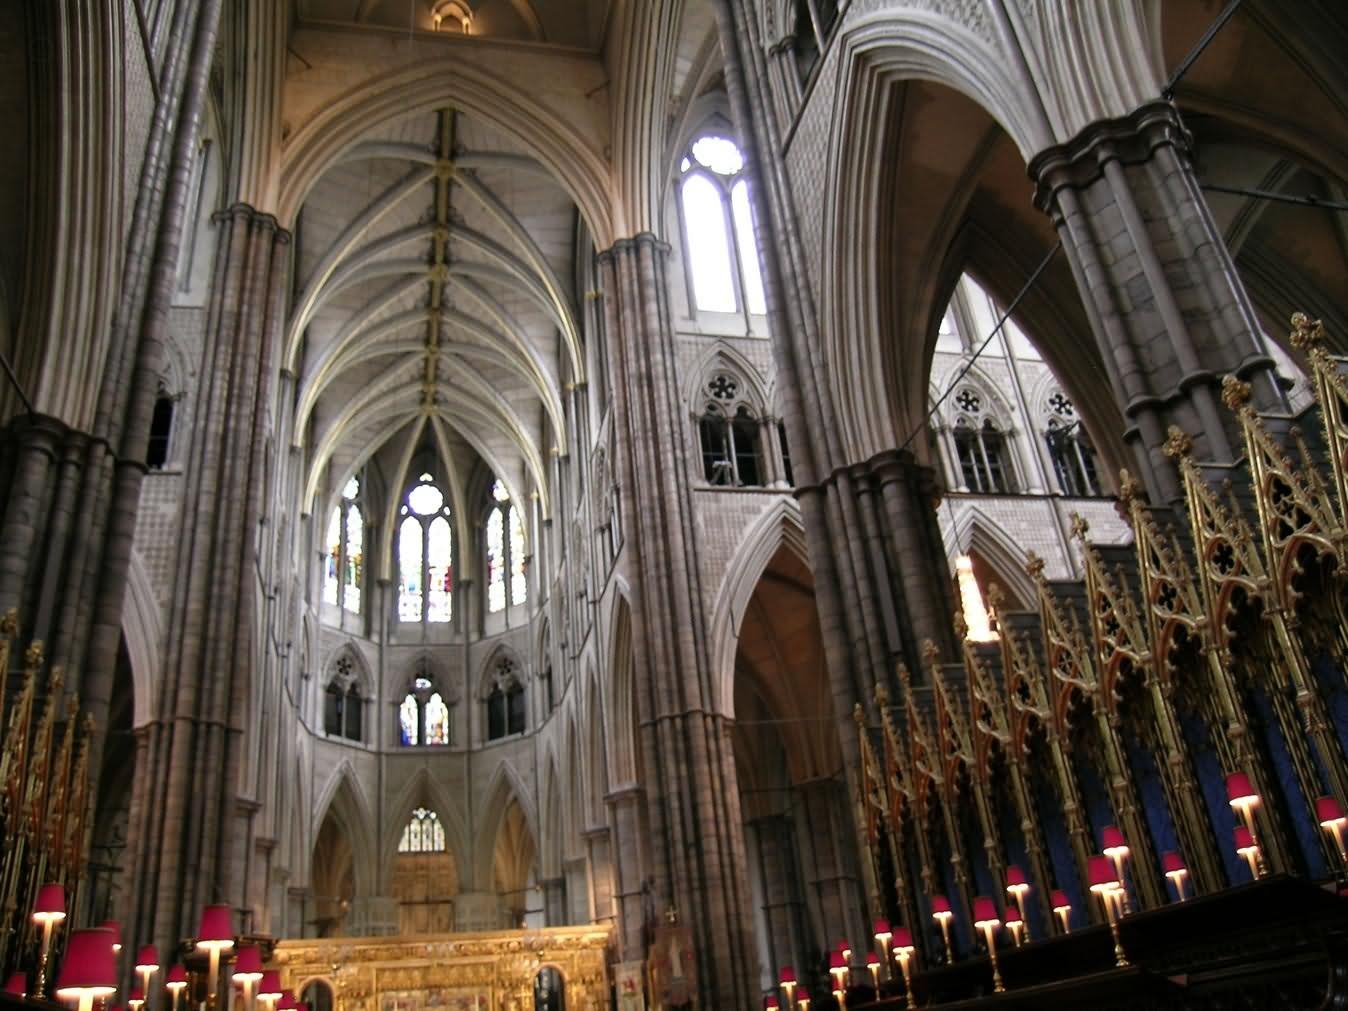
(979, 533)
(551, 846)
(423, 789)
(142, 631)
(505, 787)
(775, 527)
(721, 357)
(343, 799)
(363, 678)
(486, 673)
(621, 697)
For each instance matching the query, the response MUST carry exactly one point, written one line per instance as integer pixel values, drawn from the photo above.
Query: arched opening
(424, 878)
(515, 870)
(798, 848)
(332, 878)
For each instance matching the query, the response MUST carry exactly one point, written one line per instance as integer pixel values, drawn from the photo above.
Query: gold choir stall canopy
(486, 971)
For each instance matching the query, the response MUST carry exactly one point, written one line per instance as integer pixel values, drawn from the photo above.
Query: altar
(486, 971)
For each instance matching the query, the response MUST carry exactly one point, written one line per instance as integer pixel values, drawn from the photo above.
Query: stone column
(695, 843)
(191, 847)
(629, 874)
(600, 855)
(554, 901)
(1169, 313)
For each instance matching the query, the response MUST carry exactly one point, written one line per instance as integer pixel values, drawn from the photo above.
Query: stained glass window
(423, 833)
(718, 222)
(519, 590)
(496, 596)
(425, 555)
(409, 570)
(437, 720)
(342, 565)
(409, 718)
(439, 571)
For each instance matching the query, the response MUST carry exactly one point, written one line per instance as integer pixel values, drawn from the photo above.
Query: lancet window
(506, 553)
(980, 445)
(343, 714)
(424, 716)
(718, 227)
(425, 555)
(345, 550)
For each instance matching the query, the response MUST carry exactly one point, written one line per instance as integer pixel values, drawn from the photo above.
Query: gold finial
(57, 678)
(1034, 566)
(931, 656)
(1178, 445)
(32, 656)
(1306, 333)
(1080, 528)
(1130, 488)
(9, 624)
(961, 626)
(995, 597)
(882, 696)
(671, 915)
(905, 678)
(859, 716)
(1235, 393)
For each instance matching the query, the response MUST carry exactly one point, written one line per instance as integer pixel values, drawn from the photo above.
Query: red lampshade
(136, 996)
(1012, 915)
(771, 1002)
(217, 928)
(287, 1002)
(787, 976)
(50, 906)
(177, 977)
(985, 912)
(1060, 900)
(1239, 789)
(1171, 862)
(1244, 839)
(1015, 877)
(1102, 875)
(89, 968)
(845, 946)
(116, 929)
(802, 997)
(836, 960)
(147, 959)
(872, 960)
(17, 984)
(881, 928)
(902, 940)
(270, 985)
(1113, 841)
(248, 966)
(940, 905)
(1328, 812)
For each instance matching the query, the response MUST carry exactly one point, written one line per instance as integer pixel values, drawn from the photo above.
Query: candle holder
(175, 983)
(1062, 909)
(147, 964)
(1018, 886)
(873, 964)
(987, 920)
(48, 913)
(248, 973)
(837, 969)
(1241, 795)
(942, 914)
(1330, 816)
(1015, 923)
(1116, 848)
(1106, 885)
(89, 969)
(215, 936)
(135, 1000)
(883, 934)
(903, 953)
(1175, 872)
(1249, 850)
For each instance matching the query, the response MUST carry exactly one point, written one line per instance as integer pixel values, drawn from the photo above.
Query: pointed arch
(995, 545)
(620, 708)
(721, 357)
(551, 848)
(343, 800)
(777, 526)
(423, 790)
(501, 651)
(504, 788)
(142, 631)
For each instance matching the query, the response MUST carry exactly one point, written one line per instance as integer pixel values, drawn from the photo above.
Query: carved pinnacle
(1178, 445)
(1235, 393)
(1306, 332)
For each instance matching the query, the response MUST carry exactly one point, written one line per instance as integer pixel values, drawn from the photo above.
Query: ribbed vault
(434, 282)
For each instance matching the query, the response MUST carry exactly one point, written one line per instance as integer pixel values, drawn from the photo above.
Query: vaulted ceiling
(434, 303)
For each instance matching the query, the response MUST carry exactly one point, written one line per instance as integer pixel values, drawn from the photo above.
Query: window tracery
(980, 444)
(729, 435)
(505, 702)
(343, 565)
(718, 224)
(425, 717)
(343, 713)
(1069, 448)
(423, 833)
(425, 555)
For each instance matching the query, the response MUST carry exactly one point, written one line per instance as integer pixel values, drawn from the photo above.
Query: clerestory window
(718, 223)
(345, 544)
(425, 555)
